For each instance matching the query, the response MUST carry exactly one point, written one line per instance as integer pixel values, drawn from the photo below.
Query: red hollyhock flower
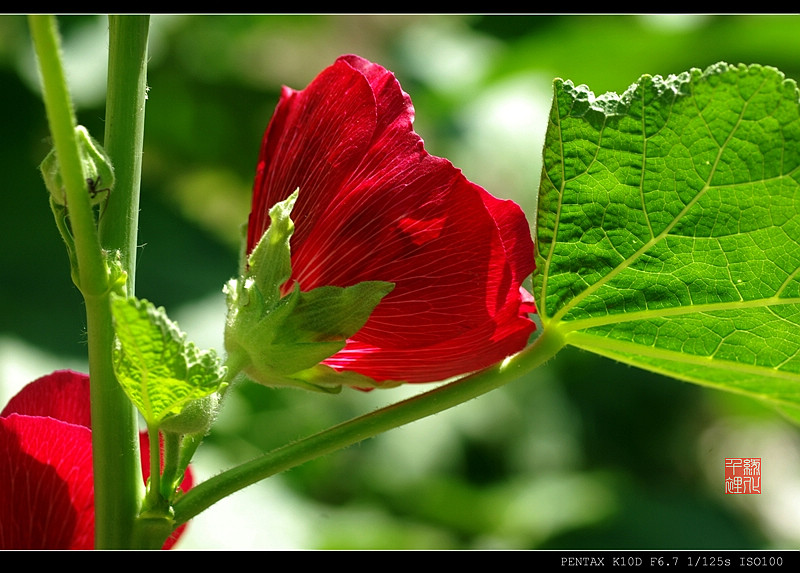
(374, 205)
(46, 484)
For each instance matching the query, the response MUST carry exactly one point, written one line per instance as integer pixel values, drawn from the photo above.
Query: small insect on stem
(95, 189)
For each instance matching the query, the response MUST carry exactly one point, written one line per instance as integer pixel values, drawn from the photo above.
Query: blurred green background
(583, 453)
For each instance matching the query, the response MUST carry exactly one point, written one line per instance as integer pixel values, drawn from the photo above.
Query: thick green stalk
(118, 485)
(124, 136)
(209, 492)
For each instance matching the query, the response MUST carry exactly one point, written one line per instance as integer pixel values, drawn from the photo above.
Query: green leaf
(159, 370)
(669, 227)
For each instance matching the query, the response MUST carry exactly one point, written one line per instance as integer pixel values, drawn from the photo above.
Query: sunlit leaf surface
(669, 227)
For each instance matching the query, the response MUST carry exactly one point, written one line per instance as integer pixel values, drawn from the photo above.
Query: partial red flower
(46, 476)
(374, 205)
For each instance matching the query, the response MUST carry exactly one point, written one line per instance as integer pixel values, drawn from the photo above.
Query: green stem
(209, 492)
(154, 498)
(172, 462)
(118, 484)
(124, 135)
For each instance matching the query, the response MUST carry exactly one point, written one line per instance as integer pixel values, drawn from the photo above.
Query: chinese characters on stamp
(742, 475)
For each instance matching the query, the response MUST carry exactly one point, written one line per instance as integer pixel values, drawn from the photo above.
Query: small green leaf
(669, 227)
(159, 370)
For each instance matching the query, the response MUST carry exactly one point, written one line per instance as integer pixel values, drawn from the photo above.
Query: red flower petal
(46, 489)
(63, 395)
(46, 474)
(374, 205)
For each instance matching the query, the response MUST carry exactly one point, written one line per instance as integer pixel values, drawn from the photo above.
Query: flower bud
(97, 170)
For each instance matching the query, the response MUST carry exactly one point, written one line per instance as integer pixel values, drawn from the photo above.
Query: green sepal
(62, 223)
(270, 263)
(97, 170)
(159, 370)
(281, 339)
(305, 328)
(323, 376)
